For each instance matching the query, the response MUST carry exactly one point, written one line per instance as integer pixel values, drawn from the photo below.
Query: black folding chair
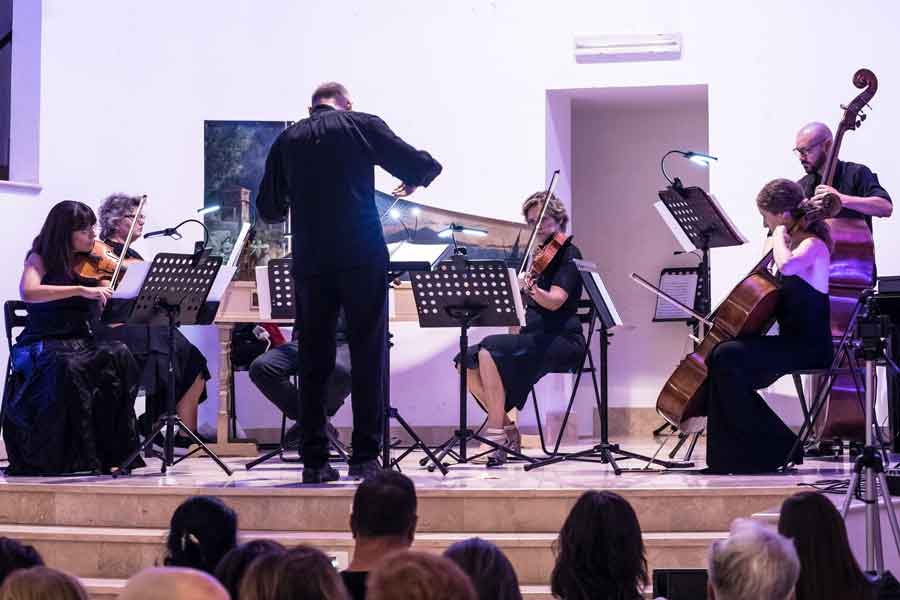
(15, 315)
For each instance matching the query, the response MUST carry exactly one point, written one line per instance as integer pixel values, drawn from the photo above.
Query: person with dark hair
(150, 344)
(15, 555)
(301, 572)
(828, 569)
(383, 520)
(72, 408)
(502, 368)
(408, 575)
(490, 571)
(322, 170)
(231, 569)
(202, 530)
(41, 583)
(600, 551)
(744, 435)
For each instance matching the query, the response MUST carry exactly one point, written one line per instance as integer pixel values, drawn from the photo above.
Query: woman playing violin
(72, 405)
(150, 345)
(503, 368)
(744, 435)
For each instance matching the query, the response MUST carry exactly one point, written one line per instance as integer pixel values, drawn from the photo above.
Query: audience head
(235, 563)
(600, 551)
(16, 555)
(408, 575)
(490, 571)
(41, 583)
(828, 569)
(384, 506)
(173, 583)
(203, 529)
(301, 572)
(752, 563)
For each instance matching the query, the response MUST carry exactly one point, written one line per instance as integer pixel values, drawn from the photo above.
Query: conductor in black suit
(322, 168)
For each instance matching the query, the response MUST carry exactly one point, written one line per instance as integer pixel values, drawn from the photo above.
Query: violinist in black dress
(503, 368)
(72, 403)
(744, 435)
(150, 344)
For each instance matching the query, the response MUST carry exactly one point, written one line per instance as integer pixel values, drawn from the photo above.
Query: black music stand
(395, 270)
(174, 293)
(604, 311)
(281, 296)
(698, 223)
(465, 293)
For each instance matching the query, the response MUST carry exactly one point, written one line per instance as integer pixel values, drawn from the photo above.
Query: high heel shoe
(488, 455)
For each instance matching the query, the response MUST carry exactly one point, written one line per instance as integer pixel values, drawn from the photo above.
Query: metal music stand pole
(395, 269)
(176, 287)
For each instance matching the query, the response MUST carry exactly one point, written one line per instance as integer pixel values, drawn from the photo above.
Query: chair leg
(537, 417)
(798, 385)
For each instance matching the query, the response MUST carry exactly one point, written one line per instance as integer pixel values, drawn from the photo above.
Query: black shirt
(355, 582)
(852, 179)
(117, 248)
(323, 169)
(563, 273)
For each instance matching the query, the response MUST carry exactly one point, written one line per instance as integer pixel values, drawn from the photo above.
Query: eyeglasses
(533, 222)
(132, 217)
(803, 151)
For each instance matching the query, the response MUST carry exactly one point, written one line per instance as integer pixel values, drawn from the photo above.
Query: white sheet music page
(681, 285)
(407, 251)
(130, 285)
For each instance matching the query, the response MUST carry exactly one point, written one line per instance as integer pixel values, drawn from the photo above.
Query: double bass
(852, 271)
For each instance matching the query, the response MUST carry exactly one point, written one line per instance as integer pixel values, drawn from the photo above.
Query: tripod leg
(607, 456)
(417, 441)
(202, 445)
(125, 467)
(891, 513)
(851, 489)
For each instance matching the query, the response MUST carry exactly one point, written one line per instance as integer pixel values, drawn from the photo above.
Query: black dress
(744, 435)
(150, 348)
(72, 408)
(551, 341)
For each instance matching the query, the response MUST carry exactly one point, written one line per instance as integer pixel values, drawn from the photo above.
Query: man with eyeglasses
(862, 196)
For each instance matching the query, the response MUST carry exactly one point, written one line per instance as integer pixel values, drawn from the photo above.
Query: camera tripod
(869, 466)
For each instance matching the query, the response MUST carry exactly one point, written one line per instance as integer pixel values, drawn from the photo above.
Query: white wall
(618, 141)
(126, 87)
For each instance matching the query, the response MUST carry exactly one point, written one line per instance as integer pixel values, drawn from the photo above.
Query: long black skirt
(150, 348)
(72, 408)
(523, 359)
(744, 435)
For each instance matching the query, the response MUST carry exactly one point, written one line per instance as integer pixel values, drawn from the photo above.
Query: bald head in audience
(172, 583)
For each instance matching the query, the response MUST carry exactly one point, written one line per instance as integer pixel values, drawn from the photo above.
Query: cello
(852, 271)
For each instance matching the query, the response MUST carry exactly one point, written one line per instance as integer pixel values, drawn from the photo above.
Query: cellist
(744, 435)
(502, 368)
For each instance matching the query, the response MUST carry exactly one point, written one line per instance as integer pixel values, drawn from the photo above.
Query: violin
(101, 264)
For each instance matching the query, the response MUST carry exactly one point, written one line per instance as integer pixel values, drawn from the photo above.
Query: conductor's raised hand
(403, 190)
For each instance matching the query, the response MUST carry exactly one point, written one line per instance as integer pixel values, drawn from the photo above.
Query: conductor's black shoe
(322, 474)
(364, 470)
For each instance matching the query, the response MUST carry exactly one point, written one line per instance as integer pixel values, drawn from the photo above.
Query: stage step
(133, 503)
(104, 552)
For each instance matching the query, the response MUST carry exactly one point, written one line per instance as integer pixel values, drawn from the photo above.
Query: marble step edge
(342, 491)
(110, 588)
(57, 533)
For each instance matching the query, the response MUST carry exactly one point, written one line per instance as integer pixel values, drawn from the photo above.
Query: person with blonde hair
(41, 583)
(301, 572)
(753, 563)
(502, 369)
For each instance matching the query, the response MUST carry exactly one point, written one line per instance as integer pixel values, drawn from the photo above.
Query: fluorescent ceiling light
(625, 47)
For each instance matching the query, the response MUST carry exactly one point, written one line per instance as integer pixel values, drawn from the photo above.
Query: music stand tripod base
(174, 290)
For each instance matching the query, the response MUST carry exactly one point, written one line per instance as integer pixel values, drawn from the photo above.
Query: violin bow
(533, 237)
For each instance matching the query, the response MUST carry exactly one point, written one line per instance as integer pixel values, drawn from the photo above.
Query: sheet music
(517, 298)
(681, 285)
(238, 246)
(607, 299)
(130, 285)
(407, 251)
(220, 283)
